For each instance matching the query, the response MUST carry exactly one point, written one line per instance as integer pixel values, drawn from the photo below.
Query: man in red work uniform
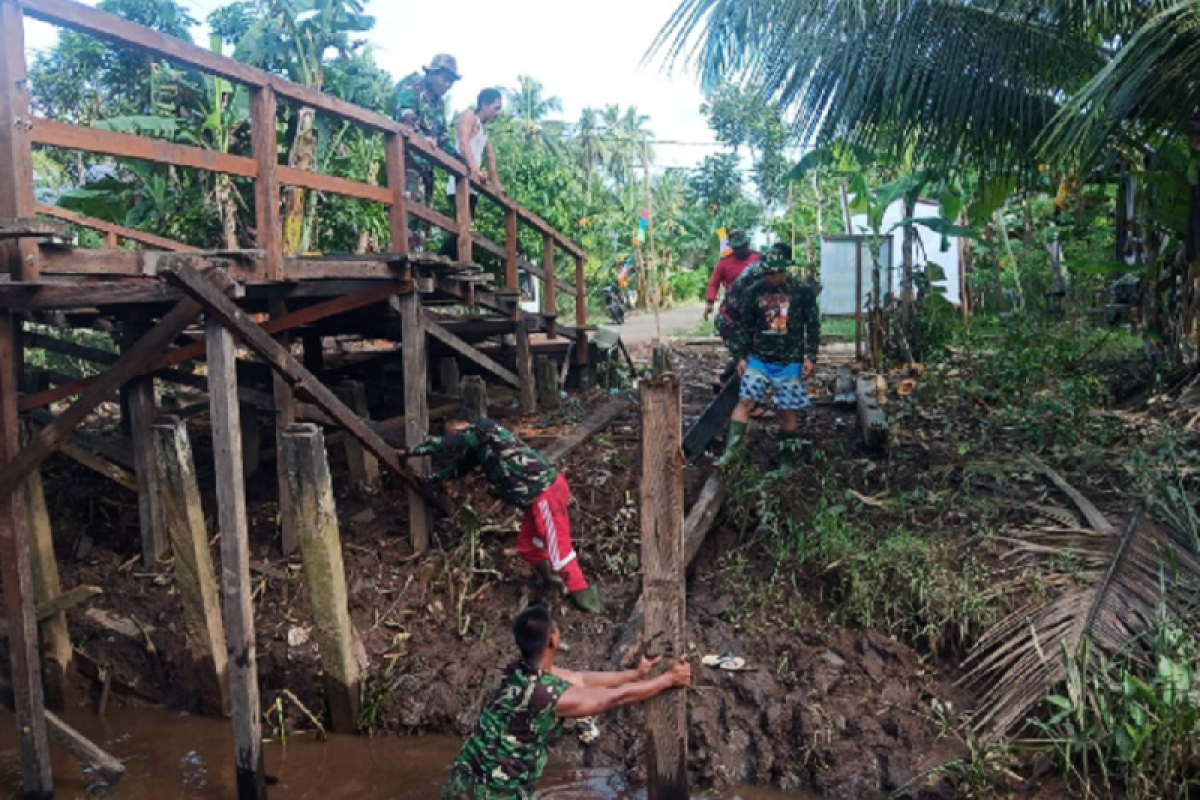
(729, 268)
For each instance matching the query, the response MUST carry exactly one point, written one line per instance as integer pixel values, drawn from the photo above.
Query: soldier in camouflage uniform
(775, 346)
(526, 480)
(505, 755)
(420, 105)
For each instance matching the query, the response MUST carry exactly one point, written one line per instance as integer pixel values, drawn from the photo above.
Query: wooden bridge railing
(262, 166)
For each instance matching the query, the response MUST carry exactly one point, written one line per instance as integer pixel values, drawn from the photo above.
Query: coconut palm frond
(1149, 86)
(1118, 584)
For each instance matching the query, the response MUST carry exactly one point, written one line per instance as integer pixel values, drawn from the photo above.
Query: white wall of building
(931, 242)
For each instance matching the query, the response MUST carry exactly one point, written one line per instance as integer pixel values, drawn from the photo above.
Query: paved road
(639, 329)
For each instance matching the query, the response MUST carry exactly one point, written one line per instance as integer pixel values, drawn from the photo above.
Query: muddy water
(175, 756)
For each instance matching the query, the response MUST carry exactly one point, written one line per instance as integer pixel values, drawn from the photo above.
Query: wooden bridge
(173, 304)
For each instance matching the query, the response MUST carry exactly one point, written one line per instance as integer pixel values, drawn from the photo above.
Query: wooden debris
(86, 752)
(598, 421)
(871, 419)
(64, 602)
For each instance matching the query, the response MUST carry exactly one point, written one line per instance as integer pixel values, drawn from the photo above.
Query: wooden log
(416, 411)
(139, 391)
(526, 382)
(661, 360)
(871, 419)
(663, 580)
(712, 420)
(238, 591)
(285, 415)
(19, 259)
(265, 146)
(364, 467)
(474, 398)
(396, 166)
(462, 216)
(58, 661)
(85, 751)
(450, 377)
(58, 605)
(601, 419)
(467, 351)
(195, 577)
(321, 548)
(546, 375)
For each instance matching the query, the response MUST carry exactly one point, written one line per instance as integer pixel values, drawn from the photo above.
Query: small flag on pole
(723, 236)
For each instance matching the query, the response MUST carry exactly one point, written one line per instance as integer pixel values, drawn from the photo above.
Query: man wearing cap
(775, 347)
(729, 268)
(420, 106)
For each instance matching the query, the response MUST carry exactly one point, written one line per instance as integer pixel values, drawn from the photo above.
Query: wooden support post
(321, 547)
(546, 375)
(314, 351)
(512, 259)
(527, 382)
(264, 144)
(194, 574)
(464, 349)
(139, 395)
(550, 297)
(57, 654)
(111, 242)
(285, 415)
(663, 579)
(474, 398)
(581, 311)
(462, 218)
(396, 181)
(17, 257)
(416, 411)
(32, 741)
(450, 376)
(251, 439)
(661, 363)
(237, 589)
(871, 419)
(364, 467)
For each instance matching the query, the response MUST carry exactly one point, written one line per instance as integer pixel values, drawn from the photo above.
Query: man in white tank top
(475, 149)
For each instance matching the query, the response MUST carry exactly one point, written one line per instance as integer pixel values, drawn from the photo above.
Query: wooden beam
(467, 351)
(550, 295)
(60, 604)
(238, 591)
(131, 234)
(156, 542)
(259, 340)
(19, 259)
(32, 228)
(462, 215)
(98, 464)
(363, 467)
(546, 375)
(63, 296)
(265, 146)
(416, 411)
(449, 377)
(285, 415)
(663, 580)
(526, 383)
(598, 421)
(96, 140)
(512, 242)
(133, 362)
(396, 168)
(330, 184)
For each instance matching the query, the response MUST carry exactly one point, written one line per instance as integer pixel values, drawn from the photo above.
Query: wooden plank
(98, 464)
(712, 420)
(601, 419)
(526, 383)
(436, 218)
(580, 296)
(96, 140)
(19, 259)
(871, 419)
(550, 295)
(32, 228)
(416, 410)
(238, 591)
(133, 362)
(60, 604)
(64, 296)
(131, 234)
(139, 391)
(663, 580)
(94, 443)
(32, 741)
(512, 241)
(265, 146)
(462, 215)
(321, 548)
(285, 415)
(195, 577)
(259, 340)
(84, 751)
(363, 467)
(317, 182)
(546, 375)
(467, 351)
(396, 166)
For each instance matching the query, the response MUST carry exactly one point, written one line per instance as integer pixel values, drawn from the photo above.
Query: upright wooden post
(57, 652)
(139, 391)
(32, 741)
(364, 467)
(195, 577)
(20, 257)
(548, 394)
(581, 311)
(251, 439)
(416, 410)
(314, 350)
(110, 241)
(321, 547)
(285, 415)
(550, 298)
(396, 181)
(474, 398)
(663, 579)
(525, 367)
(264, 143)
(462, 216)
(511, 253)
(661, 360)
(450, 376)
(235, 562)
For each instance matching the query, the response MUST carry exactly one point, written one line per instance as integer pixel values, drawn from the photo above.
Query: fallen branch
(84, 750)
(1093, 515)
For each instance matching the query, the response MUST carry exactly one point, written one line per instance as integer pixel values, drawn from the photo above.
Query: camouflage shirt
(778, 324)
(505, 755)
(518, 471)
(422, 110)
(729, 316)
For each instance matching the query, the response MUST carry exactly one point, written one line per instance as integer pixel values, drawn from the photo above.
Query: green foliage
(742, 117)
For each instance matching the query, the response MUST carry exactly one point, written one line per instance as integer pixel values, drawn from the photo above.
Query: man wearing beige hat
(420, 105)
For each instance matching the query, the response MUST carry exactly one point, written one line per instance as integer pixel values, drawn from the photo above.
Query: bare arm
(584, 701)
(608, 679)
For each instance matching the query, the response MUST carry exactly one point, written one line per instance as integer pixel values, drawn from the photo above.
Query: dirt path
(640, 329)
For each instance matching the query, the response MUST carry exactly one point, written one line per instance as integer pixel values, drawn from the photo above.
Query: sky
(584, 55)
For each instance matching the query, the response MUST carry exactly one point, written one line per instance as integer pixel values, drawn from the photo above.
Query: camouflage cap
(444, 63)
(776, 262)
(738, 239)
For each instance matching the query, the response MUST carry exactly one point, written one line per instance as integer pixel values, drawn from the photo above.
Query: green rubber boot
(737, 432)
(588, 600)
(550, 578)
(789, 447)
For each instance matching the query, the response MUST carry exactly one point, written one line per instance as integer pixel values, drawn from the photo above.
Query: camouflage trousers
(461, 786)
(418, 188)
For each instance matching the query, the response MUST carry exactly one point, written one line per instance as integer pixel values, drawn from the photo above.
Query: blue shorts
(787, 380)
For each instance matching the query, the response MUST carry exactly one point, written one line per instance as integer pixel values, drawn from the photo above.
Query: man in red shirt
(728, 269)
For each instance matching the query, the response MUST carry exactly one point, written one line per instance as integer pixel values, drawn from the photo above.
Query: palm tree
(590, 143)
(529, 108)
(627, 135)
